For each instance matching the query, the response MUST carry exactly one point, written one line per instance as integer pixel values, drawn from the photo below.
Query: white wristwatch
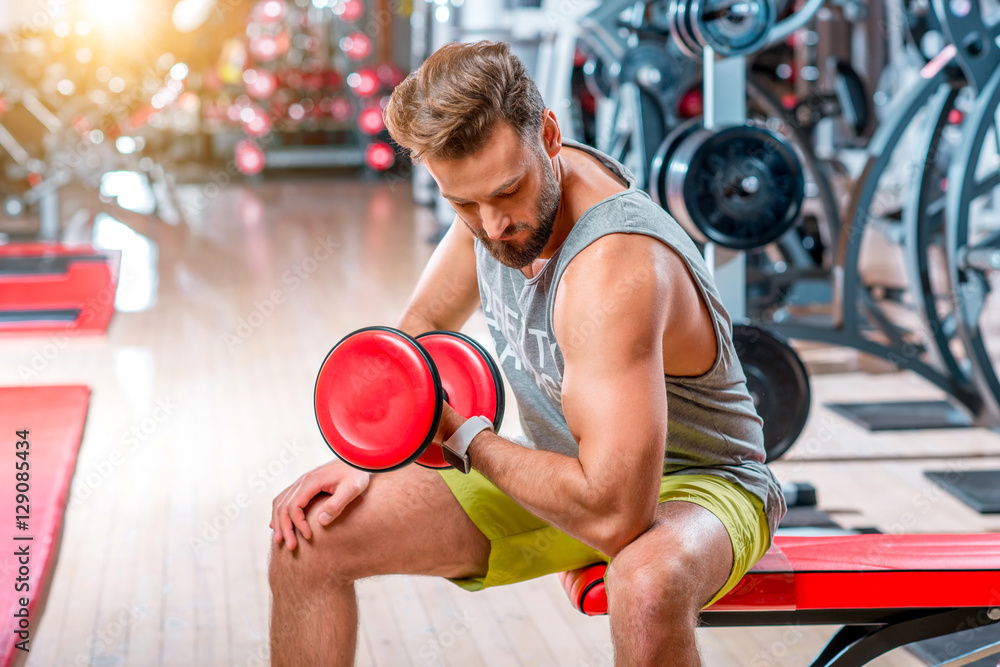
(456, 448)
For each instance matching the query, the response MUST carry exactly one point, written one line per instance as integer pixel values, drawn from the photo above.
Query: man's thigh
(522, 546)
(406, 522)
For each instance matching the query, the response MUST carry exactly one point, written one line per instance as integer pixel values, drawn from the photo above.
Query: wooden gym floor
(200, 414)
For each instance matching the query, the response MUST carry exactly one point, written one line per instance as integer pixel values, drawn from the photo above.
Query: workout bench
(56, 288)
(884, 590)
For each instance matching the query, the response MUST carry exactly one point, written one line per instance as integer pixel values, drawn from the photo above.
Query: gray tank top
(713, 427)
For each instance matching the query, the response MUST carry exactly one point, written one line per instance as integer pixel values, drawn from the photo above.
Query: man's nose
(495, 222)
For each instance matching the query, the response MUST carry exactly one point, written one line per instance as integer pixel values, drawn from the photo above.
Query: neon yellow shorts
(522, 546)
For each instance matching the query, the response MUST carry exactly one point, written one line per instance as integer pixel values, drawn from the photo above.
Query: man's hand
(340, 480)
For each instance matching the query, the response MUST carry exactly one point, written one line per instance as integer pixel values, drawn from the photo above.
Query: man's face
(506, 193)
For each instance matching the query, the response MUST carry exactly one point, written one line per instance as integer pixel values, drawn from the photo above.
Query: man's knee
(314, 564)
(652, 585)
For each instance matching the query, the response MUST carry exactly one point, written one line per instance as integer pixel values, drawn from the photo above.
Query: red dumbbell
(379, 392)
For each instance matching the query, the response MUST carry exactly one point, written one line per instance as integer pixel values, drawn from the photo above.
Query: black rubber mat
(806, 517)
(902, 416)
(979, 489)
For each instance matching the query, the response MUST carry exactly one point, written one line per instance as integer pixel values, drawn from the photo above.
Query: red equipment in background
(56, 288)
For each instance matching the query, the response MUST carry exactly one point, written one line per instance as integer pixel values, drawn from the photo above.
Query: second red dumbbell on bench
(379, 392)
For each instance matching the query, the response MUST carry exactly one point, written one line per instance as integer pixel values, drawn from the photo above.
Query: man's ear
(551, 135)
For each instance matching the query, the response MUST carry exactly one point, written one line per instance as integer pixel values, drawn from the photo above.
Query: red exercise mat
(54, 288)
(54, 418)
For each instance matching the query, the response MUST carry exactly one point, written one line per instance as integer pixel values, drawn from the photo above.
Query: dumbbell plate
(471, 380)
(596, 78)
(681, 30)
(778, 384)
(378, 399)
(660, 164)
(648, 58)
(741, 187)
(728, 37)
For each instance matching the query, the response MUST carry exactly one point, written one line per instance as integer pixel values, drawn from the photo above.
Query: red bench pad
(847, 572)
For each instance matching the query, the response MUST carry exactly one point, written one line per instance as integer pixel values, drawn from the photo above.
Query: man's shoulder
(623, 281)
(617, 281)
(626, 256)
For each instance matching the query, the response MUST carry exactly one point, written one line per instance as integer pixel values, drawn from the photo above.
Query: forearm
(413, 323)
(553, 487)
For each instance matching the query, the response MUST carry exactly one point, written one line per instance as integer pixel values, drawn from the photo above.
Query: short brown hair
(449, 107)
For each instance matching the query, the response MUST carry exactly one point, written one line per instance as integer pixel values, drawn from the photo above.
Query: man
(643, 445)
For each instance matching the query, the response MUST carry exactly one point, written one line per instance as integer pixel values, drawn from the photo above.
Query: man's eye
(504, 195)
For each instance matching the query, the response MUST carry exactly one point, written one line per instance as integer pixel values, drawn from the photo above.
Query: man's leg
(658, 584)
(406, 522)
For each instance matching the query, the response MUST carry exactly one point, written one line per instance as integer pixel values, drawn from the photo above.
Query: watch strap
(456, 447)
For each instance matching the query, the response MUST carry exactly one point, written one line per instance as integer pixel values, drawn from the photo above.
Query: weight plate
(741, 187)
(778, 384)
(680, 29)
(595, 77)
(378, 399)
(687, 30)
(648, 66)
(854, 99)
(471, 381)
(732, 27)
(659, 166)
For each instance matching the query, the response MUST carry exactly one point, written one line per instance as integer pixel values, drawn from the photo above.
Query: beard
(518, 255)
